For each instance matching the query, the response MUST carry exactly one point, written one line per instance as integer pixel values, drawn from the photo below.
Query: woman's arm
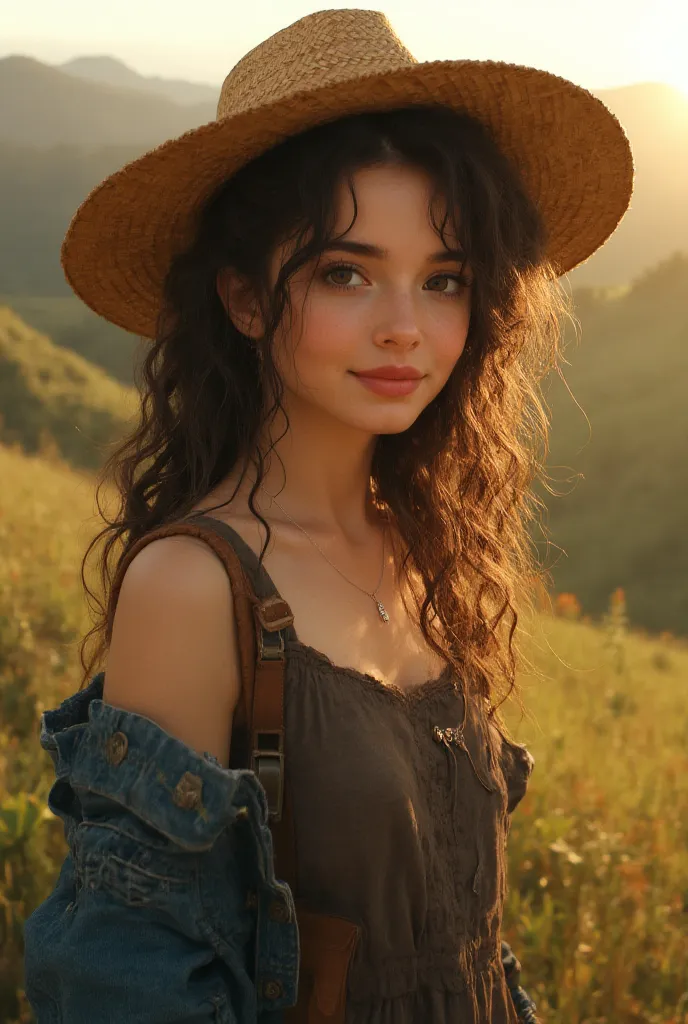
(164, 908)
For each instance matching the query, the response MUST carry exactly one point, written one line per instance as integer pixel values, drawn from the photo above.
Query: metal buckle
(271, 646)
(268, 766)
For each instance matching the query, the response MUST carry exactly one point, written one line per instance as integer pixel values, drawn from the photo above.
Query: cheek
(323, 334)
(450, 332)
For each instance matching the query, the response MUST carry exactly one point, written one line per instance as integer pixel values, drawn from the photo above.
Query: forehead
(394, 210)
(391, 199)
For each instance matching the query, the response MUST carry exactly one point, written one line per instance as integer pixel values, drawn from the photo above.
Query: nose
(398, 324)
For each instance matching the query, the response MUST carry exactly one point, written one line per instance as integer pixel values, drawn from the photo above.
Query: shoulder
(176, 559)
(173, 653)
(172, 583)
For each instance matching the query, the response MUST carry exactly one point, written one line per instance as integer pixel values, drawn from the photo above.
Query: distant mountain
(110, 71)
(43, 106)
(50, 392)
(40, 189)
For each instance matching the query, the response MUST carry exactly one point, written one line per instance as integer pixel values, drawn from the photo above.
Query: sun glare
(677, 78)
(659, 44)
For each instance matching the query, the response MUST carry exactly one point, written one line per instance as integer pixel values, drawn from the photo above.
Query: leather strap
(262, 656)
(242, 593)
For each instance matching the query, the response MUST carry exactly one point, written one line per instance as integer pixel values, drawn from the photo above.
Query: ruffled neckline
(439, 685)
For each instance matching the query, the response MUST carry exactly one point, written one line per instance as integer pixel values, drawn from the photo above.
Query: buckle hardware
(268, 766)
(273, 613)
(271, 646)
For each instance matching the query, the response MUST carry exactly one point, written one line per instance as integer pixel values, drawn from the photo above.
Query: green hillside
(72, 325)
(623, 524)
(52, 397)
(40, 190)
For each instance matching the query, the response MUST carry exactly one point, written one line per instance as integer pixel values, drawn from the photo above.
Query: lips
(390, 373)
(390, 386)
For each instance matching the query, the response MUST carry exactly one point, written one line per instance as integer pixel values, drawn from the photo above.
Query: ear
(240, 302)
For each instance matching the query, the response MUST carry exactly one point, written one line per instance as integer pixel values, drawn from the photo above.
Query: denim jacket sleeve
(167, 908)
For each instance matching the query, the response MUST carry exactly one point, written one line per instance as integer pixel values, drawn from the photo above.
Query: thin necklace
(380, 607)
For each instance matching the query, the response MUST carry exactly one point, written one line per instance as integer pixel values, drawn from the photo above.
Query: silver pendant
(381, 609)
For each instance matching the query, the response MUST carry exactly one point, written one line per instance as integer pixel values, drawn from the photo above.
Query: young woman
(350, 282)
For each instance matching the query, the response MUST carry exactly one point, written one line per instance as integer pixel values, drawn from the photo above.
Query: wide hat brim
(572, 154)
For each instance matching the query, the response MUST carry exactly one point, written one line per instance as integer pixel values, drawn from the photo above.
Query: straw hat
(573, 155)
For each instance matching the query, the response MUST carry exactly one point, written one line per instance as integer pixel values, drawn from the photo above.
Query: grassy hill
(623, 523)
(51, 396)
(72, 325)
(598, 877)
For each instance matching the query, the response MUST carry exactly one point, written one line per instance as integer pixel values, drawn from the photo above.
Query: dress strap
(261, 580)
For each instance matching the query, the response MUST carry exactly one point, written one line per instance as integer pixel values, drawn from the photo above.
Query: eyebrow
(366, 249)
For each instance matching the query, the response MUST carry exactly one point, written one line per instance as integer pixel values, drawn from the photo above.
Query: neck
(320, 475)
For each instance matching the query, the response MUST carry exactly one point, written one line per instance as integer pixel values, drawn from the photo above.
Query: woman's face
(403, 304)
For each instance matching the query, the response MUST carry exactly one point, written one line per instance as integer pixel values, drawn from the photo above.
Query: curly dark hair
(456, 484)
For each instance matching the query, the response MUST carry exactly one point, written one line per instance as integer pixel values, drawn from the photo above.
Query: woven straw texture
(572, 153)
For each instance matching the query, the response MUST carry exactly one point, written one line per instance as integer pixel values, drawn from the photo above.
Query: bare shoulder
(174, 654)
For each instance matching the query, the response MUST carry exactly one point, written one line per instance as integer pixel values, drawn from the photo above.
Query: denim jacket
(167, 908)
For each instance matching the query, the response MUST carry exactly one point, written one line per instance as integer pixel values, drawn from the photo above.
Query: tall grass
(598, 905)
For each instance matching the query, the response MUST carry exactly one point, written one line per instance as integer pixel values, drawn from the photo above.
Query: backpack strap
(262, 657)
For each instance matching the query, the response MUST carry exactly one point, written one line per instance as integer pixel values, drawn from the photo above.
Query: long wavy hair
(456, 483)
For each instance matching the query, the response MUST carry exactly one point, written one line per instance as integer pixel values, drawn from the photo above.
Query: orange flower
(567, 606)
(635, 881)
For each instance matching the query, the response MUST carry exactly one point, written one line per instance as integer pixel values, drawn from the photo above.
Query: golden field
(598, 864)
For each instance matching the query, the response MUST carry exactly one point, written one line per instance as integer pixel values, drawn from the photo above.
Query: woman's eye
(337, 273)
(453, 283)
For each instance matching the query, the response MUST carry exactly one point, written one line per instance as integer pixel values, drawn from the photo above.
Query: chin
(387, 424)
(396, 429)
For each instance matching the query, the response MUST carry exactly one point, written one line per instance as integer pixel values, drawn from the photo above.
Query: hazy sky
(596, 43)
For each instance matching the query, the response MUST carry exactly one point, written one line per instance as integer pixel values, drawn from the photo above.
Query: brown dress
(402, 829)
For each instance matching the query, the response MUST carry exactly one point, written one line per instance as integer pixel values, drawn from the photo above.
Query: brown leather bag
(327, 944)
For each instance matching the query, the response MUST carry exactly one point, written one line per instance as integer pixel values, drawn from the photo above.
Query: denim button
(242, 813)
(279, 911)
(272, 989)
(116, 748)
(187, 792)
